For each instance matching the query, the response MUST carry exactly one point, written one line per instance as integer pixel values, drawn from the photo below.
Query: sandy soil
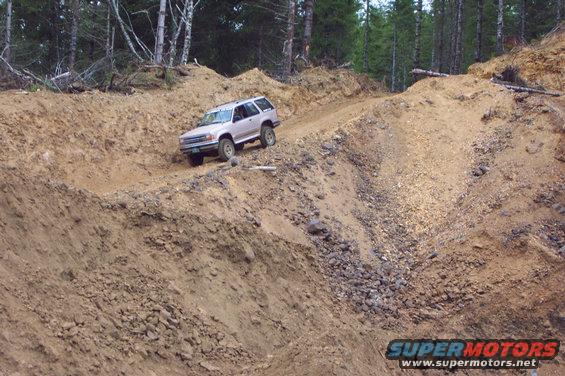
(441, 214)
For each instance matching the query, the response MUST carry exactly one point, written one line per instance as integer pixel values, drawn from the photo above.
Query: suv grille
(193, 140)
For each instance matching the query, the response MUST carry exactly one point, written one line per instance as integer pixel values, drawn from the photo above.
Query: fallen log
(520, 89)
(422, 72)
(524, 89)
(262, 168)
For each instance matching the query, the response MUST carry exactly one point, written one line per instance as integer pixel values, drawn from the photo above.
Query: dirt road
(320, 120)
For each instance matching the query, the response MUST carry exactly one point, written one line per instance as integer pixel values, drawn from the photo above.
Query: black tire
(239, 147)
(268, 137)
(226, 149)
(196, 159)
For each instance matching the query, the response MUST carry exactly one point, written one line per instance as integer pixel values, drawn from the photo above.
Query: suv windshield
(215, 117)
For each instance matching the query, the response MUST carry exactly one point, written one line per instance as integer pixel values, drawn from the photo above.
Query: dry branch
(262, 168)
(422, 72)
(520, 89)
(523, 89)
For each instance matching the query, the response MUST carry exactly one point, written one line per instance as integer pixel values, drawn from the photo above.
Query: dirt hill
(440, 215)
(540, 64)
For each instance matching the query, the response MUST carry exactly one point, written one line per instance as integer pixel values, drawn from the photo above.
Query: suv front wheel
(196, 159)
(226, 149)
(267, 137)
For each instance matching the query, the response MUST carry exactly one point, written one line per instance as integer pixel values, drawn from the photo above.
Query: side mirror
(236, 118)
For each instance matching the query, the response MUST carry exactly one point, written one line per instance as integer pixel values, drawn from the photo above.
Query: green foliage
(231, 36)
(335, 30)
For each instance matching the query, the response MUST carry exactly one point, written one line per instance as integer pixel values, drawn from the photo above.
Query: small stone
(328, 146)
(185, 356)
(249, 255)
(68, 325)
(315, 226)
(152, 336)
(208, 366)
(234, 161)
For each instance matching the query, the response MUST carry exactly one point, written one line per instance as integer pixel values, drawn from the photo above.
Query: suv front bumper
(199, 148)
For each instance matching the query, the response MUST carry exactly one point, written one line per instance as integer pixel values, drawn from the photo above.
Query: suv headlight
(210, 137)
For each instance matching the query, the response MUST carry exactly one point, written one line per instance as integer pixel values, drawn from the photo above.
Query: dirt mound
(93, 138)
(339, 82)
(541, 64)
(133, 285)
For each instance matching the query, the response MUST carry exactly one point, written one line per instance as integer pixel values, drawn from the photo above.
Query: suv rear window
(264, 104)
(251, 109)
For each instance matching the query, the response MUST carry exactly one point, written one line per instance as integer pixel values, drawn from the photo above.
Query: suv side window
(251, 109)
(240, 112)
(264, 104)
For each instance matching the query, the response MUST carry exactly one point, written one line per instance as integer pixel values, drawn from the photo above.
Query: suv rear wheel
(267, 137)
(226, 149)
(196, 159)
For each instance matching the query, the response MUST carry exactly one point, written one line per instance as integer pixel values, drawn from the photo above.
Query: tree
(559, 11)
(500, 28)
(120, 21)
(75, 14)
(7, 54)
(308, 18)
(523, 15)
(479, 32)
(418, 39)
(110, 33)
(457, 39)
(366, 40)
(335, 31)
(187, 32)
(439, 34)
(160, 38)
(287, 64)
(394, 52)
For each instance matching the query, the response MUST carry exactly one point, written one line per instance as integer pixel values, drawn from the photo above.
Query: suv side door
(255, 119)
(240, 122)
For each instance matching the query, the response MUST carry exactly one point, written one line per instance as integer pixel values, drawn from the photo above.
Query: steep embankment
(540, 64)
(440, 215)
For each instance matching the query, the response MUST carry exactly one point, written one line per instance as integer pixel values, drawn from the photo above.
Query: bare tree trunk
(160, 39)
(479, 36)
(393, 69)
(441, 47)
(308, 19)
(458, 50)
(110, 31)
(559, 16)
(176, 35)
(523, 15)
(452, 17)
(8, 37)
(54, 17)
(187, 32)
(115, 9)
(260, 48)
(417, 41)
(91, 44)
(366, 42)
(500, 28)
(287, 64)
(75, 8)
